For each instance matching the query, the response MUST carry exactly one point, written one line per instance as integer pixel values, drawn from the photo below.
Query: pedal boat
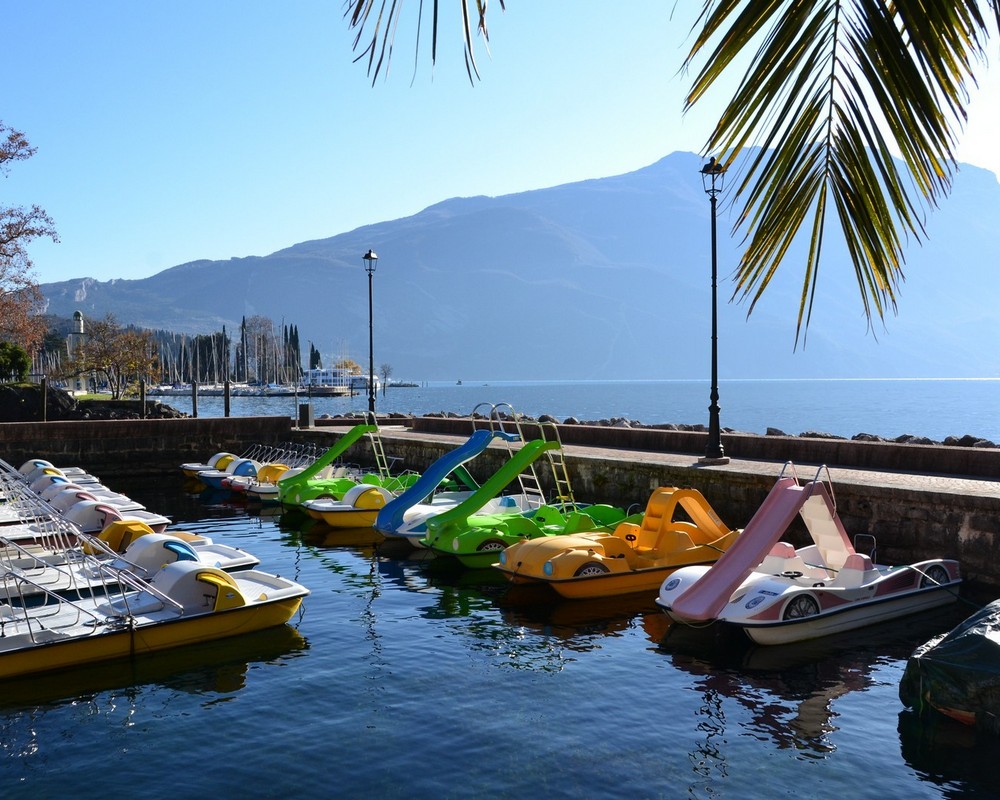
(95, 563)
(634, 557)
(488, 508)
(442, 486)
(326, 478)
(218, 461)
(358, 508)
(478, 541)
(183, 603)
(267, 476)
(217, 478)
(778, 594)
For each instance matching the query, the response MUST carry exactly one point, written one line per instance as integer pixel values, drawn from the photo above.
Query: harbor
(393, 646)
(506, 692)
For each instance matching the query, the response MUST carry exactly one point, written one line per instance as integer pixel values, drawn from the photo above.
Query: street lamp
(711, 173)
(371, 261)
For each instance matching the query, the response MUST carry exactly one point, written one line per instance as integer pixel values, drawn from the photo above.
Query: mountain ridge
(602, 278)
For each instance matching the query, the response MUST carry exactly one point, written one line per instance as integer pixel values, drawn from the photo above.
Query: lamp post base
(713, 461)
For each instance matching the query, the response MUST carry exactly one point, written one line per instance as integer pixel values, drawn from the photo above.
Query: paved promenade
(841, 476)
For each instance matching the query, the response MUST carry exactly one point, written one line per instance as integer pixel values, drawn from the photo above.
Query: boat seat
(614, 547)
(782, 558)
(625, 529)
(852, 574)
(579, 522)
(671, 540)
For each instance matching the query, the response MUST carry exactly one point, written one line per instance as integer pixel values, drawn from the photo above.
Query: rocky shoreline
(624, 422)
(23, 403)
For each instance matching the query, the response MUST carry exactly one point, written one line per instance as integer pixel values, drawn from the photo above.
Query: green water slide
(493, 486)
(336, 451)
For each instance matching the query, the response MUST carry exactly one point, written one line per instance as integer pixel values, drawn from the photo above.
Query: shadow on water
(788, 691)
(208, 668)
(948, 754)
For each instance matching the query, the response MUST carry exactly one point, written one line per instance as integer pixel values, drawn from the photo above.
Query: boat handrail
(30, 610)
(498, 416)
(829, 483)
(126, 579)
(789, 466)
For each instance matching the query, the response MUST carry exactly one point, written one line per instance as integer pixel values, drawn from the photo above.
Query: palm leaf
(833, 87)
(376, 21)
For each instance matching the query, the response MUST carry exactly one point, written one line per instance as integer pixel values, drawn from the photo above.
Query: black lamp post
(371, 261)
(713, 178)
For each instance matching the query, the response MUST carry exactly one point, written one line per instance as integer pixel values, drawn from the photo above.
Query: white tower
(78, 383)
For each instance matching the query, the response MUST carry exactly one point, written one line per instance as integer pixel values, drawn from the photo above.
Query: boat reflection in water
(124, 688)
(199, 668)
(786, 692)
(943, 751)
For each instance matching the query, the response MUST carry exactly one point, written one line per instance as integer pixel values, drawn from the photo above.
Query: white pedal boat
(779, 594)
(184, 603)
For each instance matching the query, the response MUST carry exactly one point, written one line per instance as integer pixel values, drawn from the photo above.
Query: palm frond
(376, 21)
(833, 88)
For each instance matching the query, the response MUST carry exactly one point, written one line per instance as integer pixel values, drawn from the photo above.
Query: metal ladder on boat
(375, 438)
(530, 483)
(556, 459)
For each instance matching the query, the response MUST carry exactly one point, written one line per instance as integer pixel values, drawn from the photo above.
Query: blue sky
(169, 132)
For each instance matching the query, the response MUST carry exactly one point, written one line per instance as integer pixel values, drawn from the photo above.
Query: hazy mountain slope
(606, 278)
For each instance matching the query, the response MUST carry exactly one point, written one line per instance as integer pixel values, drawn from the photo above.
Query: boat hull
(19, 655)
(855, 616)
(349, 518)
(611, 584)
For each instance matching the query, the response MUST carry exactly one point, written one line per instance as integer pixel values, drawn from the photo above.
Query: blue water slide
(390, 517)
(492, 486)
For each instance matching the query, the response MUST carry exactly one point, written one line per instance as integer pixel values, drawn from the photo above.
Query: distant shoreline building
(333, 380)
(74, 341)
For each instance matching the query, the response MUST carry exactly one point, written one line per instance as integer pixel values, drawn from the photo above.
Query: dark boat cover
(958, 673)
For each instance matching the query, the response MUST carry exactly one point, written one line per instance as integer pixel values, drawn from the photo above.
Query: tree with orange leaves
(20, 298)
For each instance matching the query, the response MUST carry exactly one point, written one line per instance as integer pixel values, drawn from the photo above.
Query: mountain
(601, 279)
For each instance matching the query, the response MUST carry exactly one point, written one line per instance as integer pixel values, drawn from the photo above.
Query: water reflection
(953, 756)
(118, 689)
(580, 623)
(708, 759)
(521, 627)
(788, 691)
(317, 534)
(206, 668)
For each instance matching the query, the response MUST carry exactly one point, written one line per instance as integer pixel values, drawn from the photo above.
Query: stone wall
(938, 459)
(135, 448)
(916, 517)
(910, 519)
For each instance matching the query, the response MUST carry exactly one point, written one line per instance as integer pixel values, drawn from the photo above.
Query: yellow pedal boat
(186, 602)
(632, 558)
(358, 508)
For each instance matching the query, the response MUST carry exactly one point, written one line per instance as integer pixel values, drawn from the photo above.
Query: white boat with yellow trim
(185, 602)
(357, 509)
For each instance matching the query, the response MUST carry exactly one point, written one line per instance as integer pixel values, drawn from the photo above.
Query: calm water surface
(404, 678)
(889, 408)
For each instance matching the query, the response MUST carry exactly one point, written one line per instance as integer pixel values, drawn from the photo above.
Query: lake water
(889, 408)
(402, 678)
